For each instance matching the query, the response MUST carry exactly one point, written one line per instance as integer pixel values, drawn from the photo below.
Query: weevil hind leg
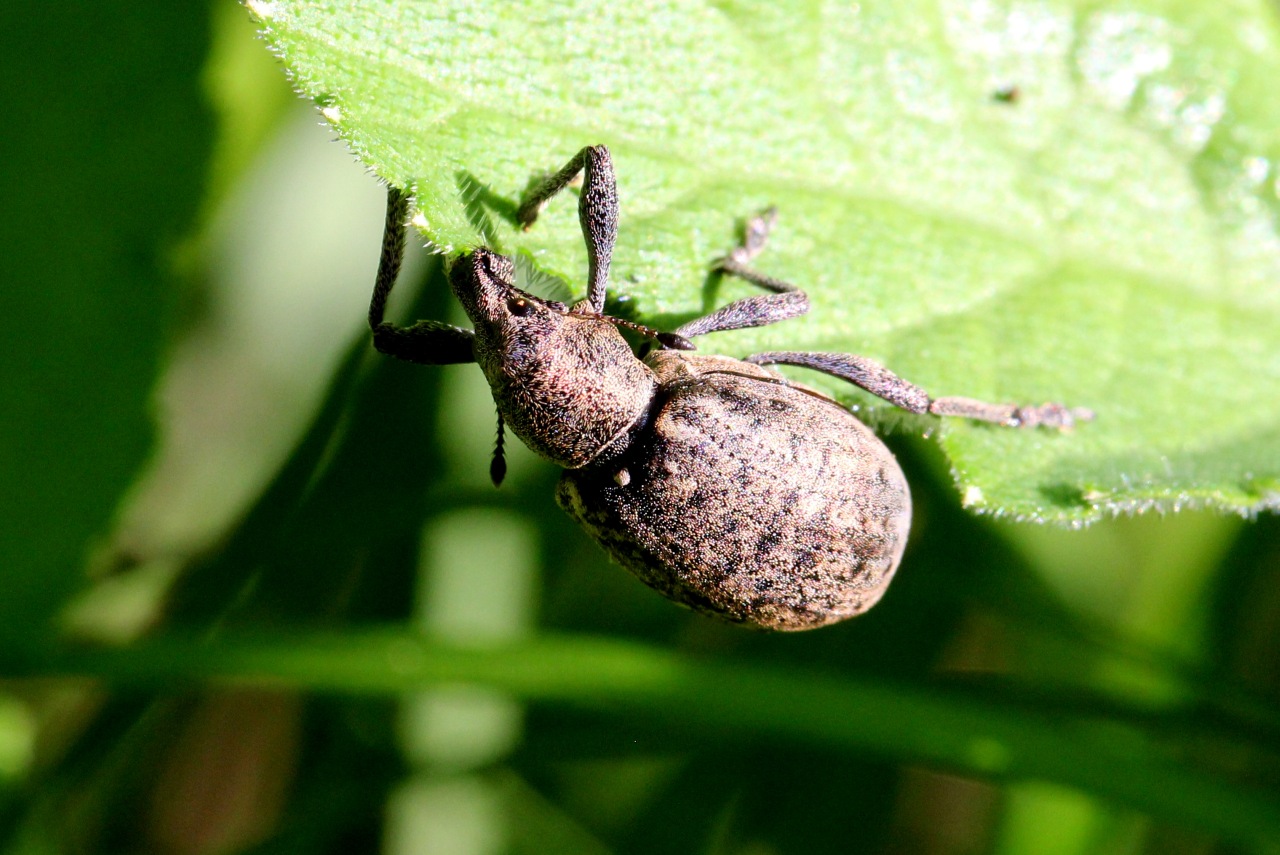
(787, 301)
(597, 211)
(875, 378)
(426, 342)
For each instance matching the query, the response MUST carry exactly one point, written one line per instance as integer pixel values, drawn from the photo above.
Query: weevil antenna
(672, 341)
(498, 466)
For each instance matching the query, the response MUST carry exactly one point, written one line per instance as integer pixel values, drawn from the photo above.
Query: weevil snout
(484, 283)
(509, 323)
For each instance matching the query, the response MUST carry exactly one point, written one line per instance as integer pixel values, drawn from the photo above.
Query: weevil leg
(426, 342)
(392, 256)
(597, 211)
(755, 234)
(756, 311)
(883, 383)
(786, 301)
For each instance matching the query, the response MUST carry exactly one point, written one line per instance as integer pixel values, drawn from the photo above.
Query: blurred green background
(358, 645)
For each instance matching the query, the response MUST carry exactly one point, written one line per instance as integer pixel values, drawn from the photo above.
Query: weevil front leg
(883, 383)
(786, 301)
(426, 342)
(597, 211)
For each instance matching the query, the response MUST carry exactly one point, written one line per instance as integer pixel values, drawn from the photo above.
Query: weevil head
(507, 320)
(568, 384)
(483, 282)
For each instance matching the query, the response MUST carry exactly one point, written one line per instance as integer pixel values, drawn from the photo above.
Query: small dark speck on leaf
(1006, 94)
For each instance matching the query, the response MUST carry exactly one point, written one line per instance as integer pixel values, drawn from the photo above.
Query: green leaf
(1013, 201)
(102, 176)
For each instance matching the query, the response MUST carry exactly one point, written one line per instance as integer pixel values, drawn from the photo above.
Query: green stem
(979, 733)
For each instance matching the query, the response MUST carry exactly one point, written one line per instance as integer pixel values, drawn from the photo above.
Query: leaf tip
(263, 10)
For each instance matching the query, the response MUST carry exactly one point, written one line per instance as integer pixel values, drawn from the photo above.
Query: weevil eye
(519, 306)
(499, 267)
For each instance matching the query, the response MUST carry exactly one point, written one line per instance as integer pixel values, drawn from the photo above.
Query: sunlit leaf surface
(1022, 201)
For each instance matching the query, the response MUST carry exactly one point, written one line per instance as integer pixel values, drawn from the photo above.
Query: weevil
(717, 481)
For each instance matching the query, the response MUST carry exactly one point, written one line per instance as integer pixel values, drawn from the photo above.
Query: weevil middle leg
(786, 301)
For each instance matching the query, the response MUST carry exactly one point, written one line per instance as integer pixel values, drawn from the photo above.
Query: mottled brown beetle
(716, 481)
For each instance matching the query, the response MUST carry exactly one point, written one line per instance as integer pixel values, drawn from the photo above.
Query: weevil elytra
(716, 481)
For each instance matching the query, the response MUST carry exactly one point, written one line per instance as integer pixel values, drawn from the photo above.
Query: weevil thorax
(567, 384)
